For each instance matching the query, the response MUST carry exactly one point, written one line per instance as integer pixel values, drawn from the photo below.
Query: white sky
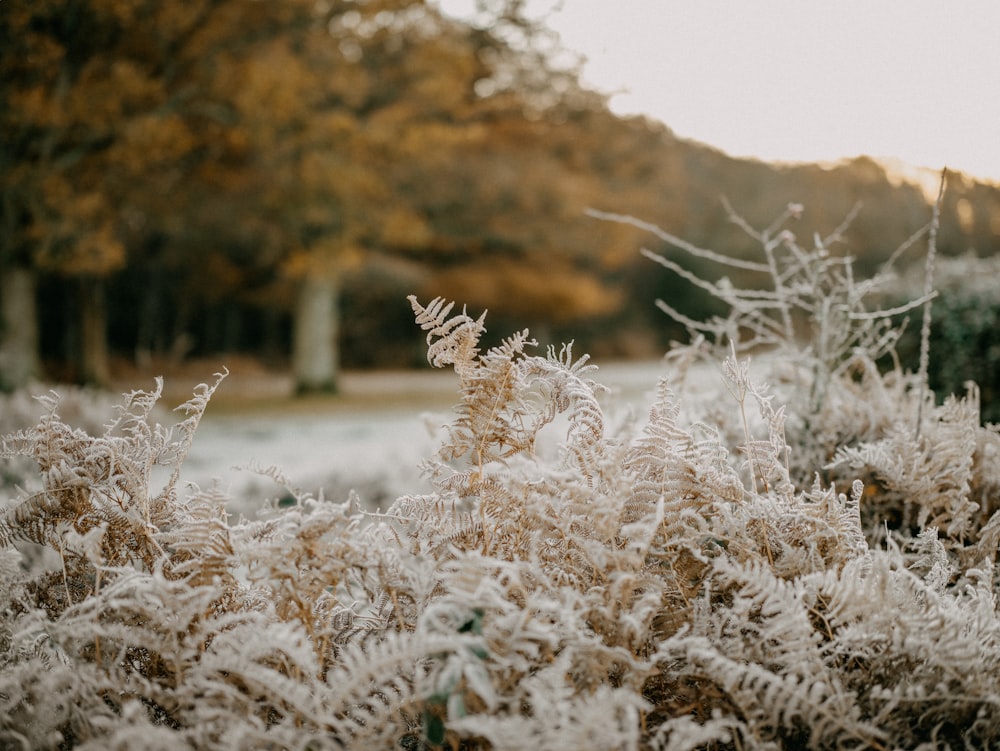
(802, 80)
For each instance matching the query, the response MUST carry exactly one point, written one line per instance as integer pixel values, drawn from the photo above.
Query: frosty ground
(370, 439)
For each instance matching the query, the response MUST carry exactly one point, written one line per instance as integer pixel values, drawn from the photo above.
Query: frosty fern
(674, 584)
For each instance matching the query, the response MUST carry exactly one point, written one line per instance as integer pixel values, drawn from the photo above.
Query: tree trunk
(315, 361)
(94, 369)
(19, 340)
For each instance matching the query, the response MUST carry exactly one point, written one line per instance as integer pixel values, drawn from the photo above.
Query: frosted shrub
(817, 322)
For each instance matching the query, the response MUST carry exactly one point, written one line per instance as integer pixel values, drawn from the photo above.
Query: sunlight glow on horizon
(909, 80)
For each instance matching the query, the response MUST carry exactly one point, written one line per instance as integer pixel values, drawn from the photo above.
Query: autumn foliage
(174, 174)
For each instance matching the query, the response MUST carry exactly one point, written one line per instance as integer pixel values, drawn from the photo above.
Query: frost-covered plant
(823, 331)
(653, 587)
(816, 315)
(84, 407)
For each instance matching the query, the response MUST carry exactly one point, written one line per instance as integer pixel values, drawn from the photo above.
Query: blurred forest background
(269, 180)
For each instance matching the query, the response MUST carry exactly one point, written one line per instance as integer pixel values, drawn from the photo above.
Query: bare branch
(925, 326)
(676, 241)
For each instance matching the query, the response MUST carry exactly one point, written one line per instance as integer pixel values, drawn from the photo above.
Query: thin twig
(768, 243)
(677, 242)
(925, 327)
(838, 234)
(872, 315)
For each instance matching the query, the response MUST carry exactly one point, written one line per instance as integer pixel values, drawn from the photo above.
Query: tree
(335, 117)
(18, 328)
(268, 130)
(412, 92)
(76, 88)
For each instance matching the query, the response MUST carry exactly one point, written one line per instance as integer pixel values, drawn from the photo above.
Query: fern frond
(457, 337)
(492, 424)
(199, 541)
(806, 712)
(373, 683)
(508, 397)
(175, 450)
(560, 382)
(563, 717)
(932, 473)
(670, 462)
(769, 622)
